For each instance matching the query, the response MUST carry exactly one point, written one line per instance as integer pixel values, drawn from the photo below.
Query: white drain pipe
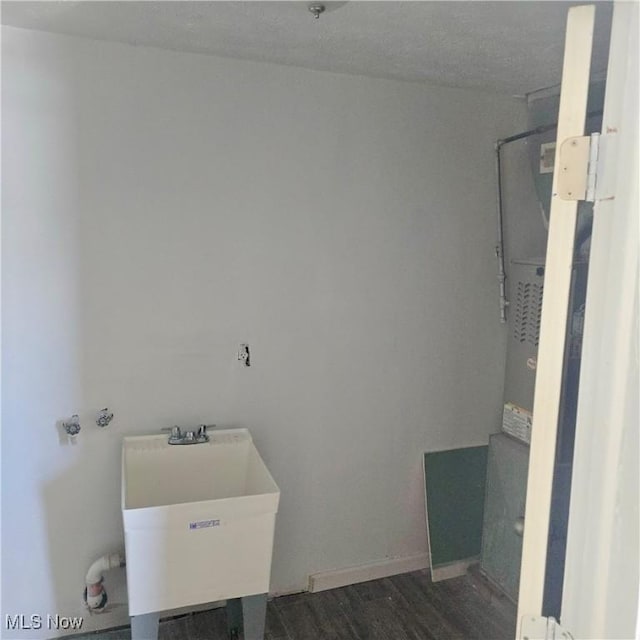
(95, 595)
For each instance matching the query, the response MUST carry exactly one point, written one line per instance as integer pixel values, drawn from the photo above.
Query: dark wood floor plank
(376, 621)
(374, 590)
(500, 605)
(175, 629)
(467, 593)
(315, 618)
(449, 608)
(207, 625)
(474, 612)
(274, 626)
(423, 608)
(114, 634)
(404, 607)
(346, 597)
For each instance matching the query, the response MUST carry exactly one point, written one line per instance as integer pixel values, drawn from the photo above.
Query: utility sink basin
(198, 519)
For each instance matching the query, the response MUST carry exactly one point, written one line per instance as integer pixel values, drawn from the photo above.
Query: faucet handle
(202, 433)
(175, 434)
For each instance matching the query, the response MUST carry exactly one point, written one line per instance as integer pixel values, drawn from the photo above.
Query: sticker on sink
(204, 524)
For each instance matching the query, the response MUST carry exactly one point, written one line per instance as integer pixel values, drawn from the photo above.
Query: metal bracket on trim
(541, 628)
(583, 168)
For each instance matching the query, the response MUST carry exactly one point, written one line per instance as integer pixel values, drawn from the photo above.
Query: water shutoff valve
(72, 425)
(104, 417)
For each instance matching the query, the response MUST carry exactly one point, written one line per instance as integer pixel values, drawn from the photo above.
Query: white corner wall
(160, 208)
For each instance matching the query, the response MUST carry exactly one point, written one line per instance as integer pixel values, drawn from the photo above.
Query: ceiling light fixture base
(316, 9)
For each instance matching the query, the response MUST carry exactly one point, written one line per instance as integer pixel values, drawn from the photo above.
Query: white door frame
(557, 284)
(600, 598)
(601, 587)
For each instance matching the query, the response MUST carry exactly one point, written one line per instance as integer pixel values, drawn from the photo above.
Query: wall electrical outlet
(244, 354)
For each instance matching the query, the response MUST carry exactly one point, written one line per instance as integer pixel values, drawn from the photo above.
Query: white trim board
(603, 516)
(363, 573)
(555, 305)
(452, 569)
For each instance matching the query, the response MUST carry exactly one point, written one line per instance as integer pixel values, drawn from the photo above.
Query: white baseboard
(365, 572)
(452, 570)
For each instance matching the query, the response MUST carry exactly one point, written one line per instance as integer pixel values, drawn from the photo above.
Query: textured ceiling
(506, 47)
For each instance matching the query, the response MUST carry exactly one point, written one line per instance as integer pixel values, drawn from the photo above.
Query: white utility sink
(198, 520)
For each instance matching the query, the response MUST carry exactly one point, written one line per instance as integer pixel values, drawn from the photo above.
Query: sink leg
(234, 617)
(145, 627)
(254, 610)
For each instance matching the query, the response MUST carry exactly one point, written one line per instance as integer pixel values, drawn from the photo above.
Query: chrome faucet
(177, 436)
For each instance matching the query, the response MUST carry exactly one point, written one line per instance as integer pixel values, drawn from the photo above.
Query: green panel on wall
(454, 490)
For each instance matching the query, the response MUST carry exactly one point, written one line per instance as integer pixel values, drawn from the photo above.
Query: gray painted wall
(159, 209)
